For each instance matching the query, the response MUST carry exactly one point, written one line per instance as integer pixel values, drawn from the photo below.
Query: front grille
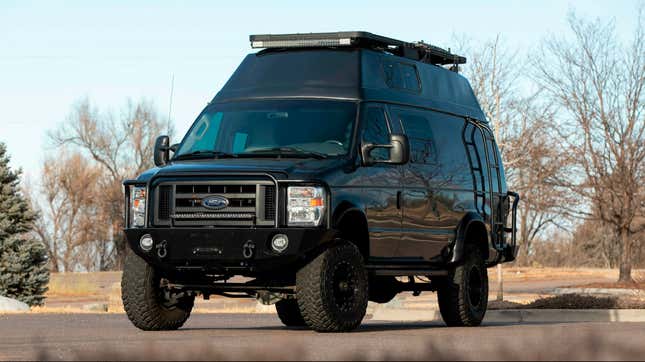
(165, 193)
(269, 203)
(249, 203)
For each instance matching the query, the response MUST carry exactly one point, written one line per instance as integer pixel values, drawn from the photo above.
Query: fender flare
(342, 210)
(466, 222)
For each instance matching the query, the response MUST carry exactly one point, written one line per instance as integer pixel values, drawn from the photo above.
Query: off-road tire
(332, 290)
(289, 313)
(140, 292)
(463, 296)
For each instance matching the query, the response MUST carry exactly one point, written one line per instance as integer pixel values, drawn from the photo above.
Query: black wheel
(463, 296)
(289, 313)
(149, 305)
(332, 290)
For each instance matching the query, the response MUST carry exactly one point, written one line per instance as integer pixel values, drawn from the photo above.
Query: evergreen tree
(24, 274)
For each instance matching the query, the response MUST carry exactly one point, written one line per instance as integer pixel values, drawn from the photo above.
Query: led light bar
(303, 43)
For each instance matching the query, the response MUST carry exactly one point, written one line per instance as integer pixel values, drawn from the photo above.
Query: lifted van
(332, 169)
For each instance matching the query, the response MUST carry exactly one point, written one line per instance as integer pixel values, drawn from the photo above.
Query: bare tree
(69, 220)
(122, 146)
(521, 125)
(596, 245)
(536, 166)
(494, 73)
(598, 84)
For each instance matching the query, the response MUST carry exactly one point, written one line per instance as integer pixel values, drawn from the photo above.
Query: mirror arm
(398, 156)
(366, 148)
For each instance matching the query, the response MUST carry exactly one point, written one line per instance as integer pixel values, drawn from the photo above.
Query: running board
(404, 270)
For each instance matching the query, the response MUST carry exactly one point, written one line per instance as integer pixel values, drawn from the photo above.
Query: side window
(495, 164)
(502, 173)
(410, 77)
(452, 157)
(392, 75)
(375, 131)
(416, 125)
(401, 76)
(205, 135)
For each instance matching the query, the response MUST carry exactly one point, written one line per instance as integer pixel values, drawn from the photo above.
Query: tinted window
(451, 151)
(248, 128)
(502, 178)
(492, 159)
(410, 77)
(401, 76)
(375, 131)
(416, 126)
(481, 150)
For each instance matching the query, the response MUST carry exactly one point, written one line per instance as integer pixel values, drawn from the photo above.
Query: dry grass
(60, 310)
(573, 301)
(60, 286)
(512, 273)
(577, 301)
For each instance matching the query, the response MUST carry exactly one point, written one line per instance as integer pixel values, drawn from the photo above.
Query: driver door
(381, 185)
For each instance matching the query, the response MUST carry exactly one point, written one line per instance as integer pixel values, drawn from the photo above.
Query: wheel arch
(471, 230)
(351, 223)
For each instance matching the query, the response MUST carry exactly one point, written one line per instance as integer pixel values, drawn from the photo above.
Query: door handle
(398, 199)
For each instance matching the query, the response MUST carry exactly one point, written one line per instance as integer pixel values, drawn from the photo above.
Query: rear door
(498, 199)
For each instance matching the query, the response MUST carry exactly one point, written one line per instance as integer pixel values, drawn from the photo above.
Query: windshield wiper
(291, 151)
(205, 154)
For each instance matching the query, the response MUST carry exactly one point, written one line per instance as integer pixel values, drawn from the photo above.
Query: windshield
(298, 128)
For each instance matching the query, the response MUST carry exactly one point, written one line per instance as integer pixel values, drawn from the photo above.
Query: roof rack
(419, 51)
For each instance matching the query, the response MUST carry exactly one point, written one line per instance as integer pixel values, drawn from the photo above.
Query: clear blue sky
(53, 53)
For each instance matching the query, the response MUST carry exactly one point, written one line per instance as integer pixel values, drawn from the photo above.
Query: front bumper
(221, 250)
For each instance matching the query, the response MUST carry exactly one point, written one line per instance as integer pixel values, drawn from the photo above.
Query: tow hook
(248, 249)
(161, 249)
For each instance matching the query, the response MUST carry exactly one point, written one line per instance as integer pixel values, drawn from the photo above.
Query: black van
(331, 169)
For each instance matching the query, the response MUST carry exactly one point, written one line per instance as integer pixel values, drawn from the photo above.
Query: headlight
(138, 206)
(305, 205)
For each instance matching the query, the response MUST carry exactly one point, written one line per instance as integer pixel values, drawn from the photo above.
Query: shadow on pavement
(369, 326)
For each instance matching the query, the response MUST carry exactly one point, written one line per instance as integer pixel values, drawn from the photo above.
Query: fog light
(279, 243)
(146, 242)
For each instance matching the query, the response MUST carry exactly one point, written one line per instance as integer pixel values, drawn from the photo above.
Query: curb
(566, 315)
(521, 315)
(600, 291)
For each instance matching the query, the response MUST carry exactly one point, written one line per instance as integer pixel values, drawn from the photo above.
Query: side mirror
(399, 151)
(162, 150)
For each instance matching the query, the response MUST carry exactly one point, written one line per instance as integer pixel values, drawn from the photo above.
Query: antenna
(172, 89)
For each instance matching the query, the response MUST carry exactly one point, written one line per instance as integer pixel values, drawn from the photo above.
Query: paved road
(211, 336)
